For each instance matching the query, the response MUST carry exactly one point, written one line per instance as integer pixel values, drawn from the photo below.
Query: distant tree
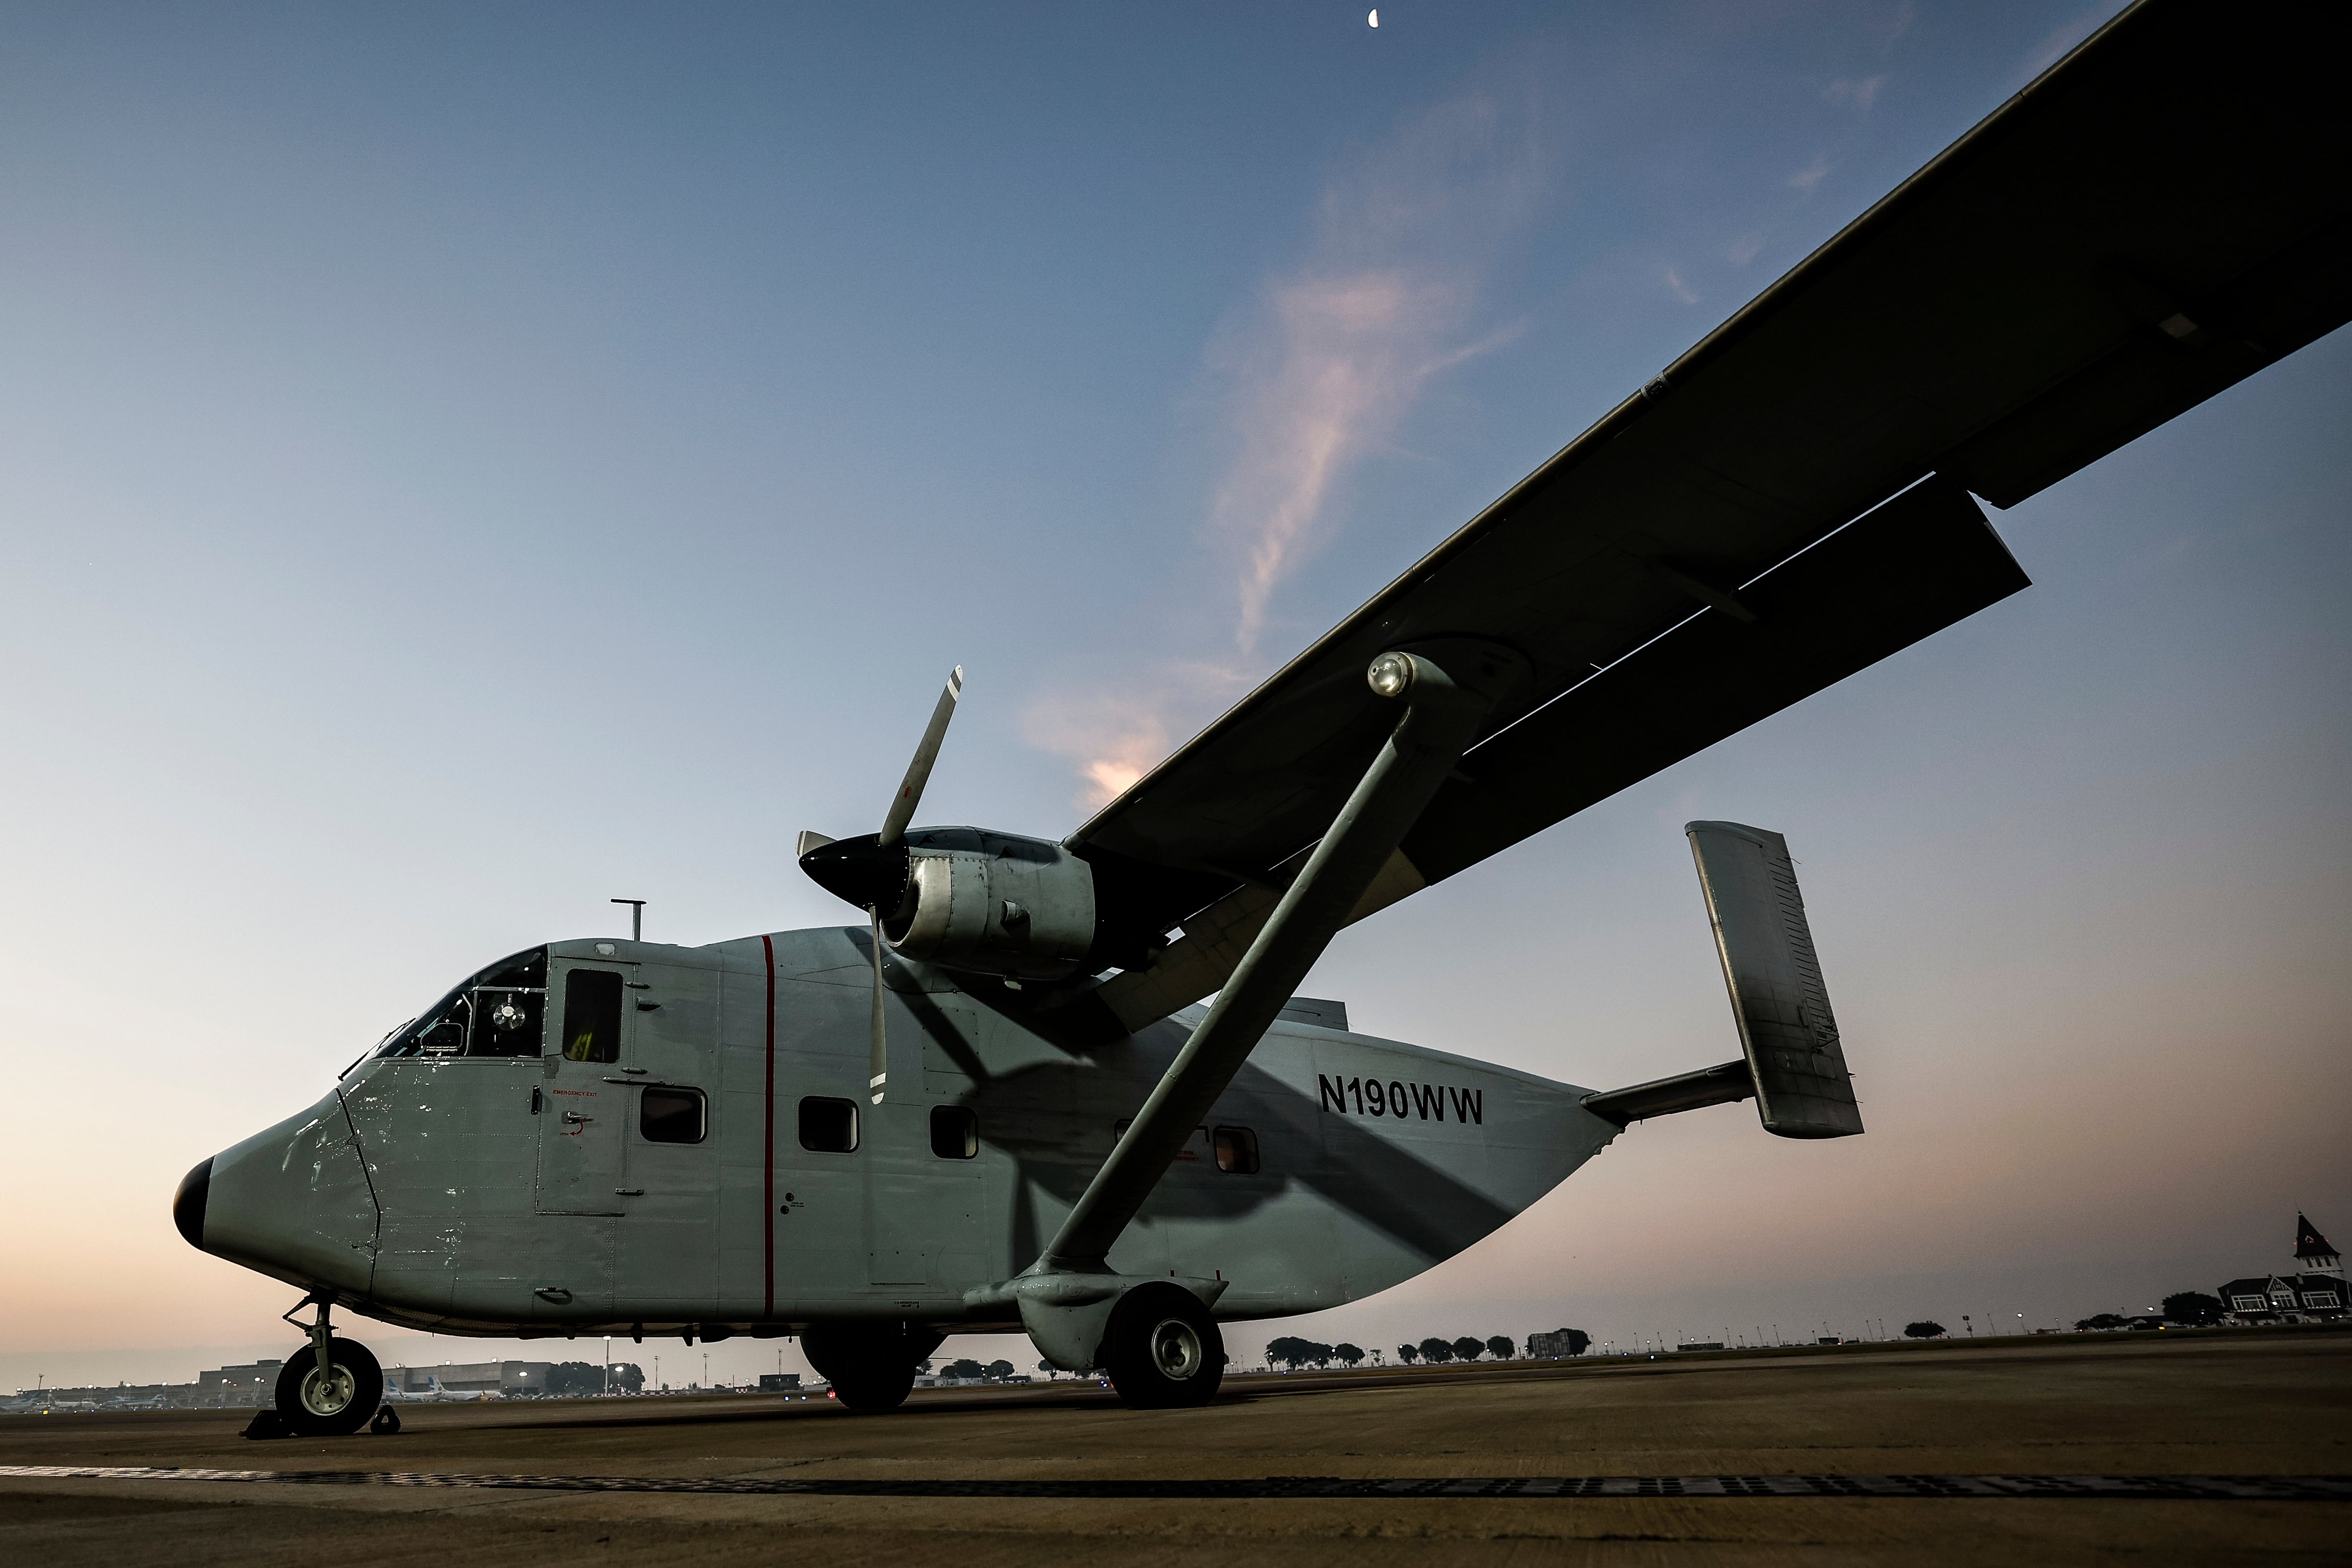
(1929, 1331)
(1408, 1354)
(576, 1379)
(1292, 1352)
(1049, 1369)
(1501, 1348)
(966, 1367)
(1433, 1349)
(1000, 1369)
(628, 1377)
(2100, 1321)
(1349, 1353)
(1578, 1341)
(2192, 1307)
(1469, 1349)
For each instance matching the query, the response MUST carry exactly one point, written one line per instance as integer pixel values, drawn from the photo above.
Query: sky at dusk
(462, 464)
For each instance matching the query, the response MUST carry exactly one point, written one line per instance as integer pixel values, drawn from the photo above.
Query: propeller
(872, 872)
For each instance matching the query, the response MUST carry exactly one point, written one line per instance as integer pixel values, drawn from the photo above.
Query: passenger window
(955, 1132)
(672, 1115)
(1238, 1151)
(592, 1015)
(829, 1126)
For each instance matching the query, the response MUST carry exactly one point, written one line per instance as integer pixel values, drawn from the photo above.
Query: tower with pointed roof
(2314, 1250)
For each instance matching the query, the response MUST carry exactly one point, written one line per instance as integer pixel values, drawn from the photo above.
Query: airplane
(152, 1402)
(1067, 1088)
(431, 1394)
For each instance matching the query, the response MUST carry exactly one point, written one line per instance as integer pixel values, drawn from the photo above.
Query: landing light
(1390, 674)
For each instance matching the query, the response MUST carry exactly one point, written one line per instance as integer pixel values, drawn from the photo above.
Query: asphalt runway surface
(2213, 1449)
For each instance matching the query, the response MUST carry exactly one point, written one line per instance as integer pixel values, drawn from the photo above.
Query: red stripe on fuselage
(768, 1153)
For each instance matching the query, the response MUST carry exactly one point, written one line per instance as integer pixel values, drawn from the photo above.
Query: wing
(2158, 215)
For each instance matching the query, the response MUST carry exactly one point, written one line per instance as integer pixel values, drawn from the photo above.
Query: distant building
(1556, 1343)
(255, 1383)
(2314, 1294)
(500, 1377)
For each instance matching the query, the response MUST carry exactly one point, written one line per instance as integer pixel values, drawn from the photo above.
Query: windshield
(494, 1013)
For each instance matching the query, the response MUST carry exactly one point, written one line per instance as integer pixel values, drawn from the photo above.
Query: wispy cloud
(1805, 179)
(1859, 93)
(1114, 734)
(1339, 348)
(1681, 290)
(1317, 374)
(1891, 23)
(1743, 249)
(2073, 31)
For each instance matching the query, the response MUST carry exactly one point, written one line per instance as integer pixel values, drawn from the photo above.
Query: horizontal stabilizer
(1802, 1088)
(1666, 1096)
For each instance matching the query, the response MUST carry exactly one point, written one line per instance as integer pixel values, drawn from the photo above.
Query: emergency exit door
(584, 1108)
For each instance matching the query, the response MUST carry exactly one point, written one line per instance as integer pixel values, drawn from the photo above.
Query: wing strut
(1442, 716)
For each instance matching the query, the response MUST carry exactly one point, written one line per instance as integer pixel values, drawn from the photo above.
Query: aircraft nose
(188, 1204)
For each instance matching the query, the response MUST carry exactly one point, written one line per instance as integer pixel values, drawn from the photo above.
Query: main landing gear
(870, 1365)
(330, 1387)
(1162, 1350)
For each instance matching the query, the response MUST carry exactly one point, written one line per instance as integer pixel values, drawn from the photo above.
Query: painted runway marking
(2158, 1489)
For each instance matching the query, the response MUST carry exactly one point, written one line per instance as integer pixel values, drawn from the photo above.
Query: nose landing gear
(330, 1387)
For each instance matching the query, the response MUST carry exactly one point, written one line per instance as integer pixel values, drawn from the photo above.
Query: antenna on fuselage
(636, 918)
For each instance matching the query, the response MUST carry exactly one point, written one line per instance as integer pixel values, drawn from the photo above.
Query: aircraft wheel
(1162, 1349)
(874, 1387)
(870, 1366)
(334, 1403)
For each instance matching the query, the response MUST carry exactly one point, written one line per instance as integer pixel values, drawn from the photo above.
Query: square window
(955, 1132)
(592, 1015)
(666, 1115)
(1238, 1151)
(828, 1126)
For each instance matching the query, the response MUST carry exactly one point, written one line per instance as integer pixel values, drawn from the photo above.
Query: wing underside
(2158, 215)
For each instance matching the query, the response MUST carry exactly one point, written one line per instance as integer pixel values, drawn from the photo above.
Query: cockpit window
(498, 1012)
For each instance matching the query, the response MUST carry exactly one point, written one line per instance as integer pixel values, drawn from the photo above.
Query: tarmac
(1993, 1452)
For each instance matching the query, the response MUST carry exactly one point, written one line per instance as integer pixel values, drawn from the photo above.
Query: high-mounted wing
(2157, 216)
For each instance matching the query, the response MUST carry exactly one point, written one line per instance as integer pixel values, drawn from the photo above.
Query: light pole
(608, 1365)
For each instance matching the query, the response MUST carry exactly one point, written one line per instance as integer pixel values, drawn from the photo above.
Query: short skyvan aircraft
(996, 1102)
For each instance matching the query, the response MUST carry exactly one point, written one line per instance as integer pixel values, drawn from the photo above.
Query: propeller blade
(809, 840)
(877, 1060)
(919, 772)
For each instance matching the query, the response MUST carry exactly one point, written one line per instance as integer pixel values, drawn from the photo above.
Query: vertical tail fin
(1802, 1088)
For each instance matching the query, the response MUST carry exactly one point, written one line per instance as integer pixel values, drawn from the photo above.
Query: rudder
(1786, 1028)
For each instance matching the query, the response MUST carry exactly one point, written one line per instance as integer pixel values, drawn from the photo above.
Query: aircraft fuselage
(702, 1158)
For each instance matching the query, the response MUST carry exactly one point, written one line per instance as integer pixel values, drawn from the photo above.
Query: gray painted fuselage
(505, 1196)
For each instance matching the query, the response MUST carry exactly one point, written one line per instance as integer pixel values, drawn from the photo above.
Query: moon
(1374, 19)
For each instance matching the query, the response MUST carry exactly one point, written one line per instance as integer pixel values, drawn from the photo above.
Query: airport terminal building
(2315, 1294)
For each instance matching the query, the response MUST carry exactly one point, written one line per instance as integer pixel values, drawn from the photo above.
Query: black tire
(1162, 1350)
(338, 1404)
(871, 1366)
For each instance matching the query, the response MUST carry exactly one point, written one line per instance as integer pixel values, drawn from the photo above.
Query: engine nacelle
(1021, 907)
